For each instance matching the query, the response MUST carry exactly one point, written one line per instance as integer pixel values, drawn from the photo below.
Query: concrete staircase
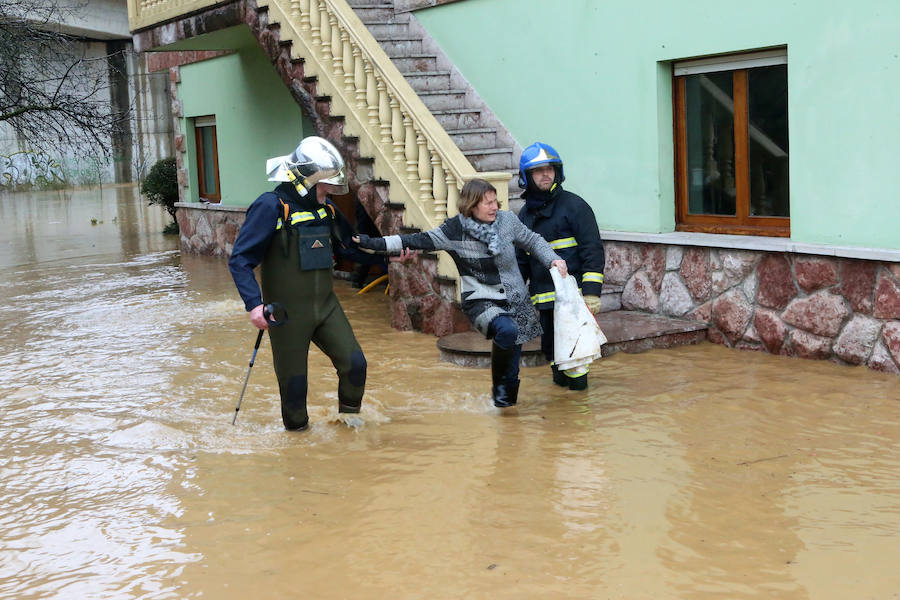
(454, 103)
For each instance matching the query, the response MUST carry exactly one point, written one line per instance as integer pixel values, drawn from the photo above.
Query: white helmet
(314, 160)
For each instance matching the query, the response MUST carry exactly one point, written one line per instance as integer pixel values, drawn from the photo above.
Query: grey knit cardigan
(490, 285)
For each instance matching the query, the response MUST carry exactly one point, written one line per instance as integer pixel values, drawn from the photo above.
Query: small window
(731, 130)
(207, 159)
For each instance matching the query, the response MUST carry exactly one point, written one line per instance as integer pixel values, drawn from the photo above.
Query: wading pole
(277, 311)
(247, 378)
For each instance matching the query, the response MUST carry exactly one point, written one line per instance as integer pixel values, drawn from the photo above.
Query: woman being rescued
(481, 239)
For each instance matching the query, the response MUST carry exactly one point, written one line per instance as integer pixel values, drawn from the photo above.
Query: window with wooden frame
(731, 144)
(207, 159)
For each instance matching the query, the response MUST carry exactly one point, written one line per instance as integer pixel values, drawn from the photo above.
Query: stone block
(808, 345)
(857, 339)
(776, 282)
(622, 260)
(823, 313)
(858, 284)
(674, 254)
(770, 328)
(881, 360)
(887, 297)
(731, 313)
(815, 273)
(639, 295)
(674, 298)
(653, 263)
(890, 335)
(696, 273)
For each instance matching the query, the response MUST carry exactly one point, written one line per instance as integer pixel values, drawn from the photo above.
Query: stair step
(458, 118)
(489, 159)
(401, 47)
(377, 12)
(413, 63)
(626, 331)
(428, 80)
(388, 29)
(443, 99)
(472, 139)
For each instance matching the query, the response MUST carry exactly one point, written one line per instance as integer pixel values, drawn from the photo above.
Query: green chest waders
(297, 272)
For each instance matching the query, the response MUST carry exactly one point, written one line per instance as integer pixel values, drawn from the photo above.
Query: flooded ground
(691, 473)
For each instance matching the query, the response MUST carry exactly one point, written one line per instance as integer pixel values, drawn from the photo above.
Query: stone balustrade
(411, 150)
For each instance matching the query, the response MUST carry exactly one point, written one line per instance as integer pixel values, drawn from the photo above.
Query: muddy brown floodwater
(698, 472)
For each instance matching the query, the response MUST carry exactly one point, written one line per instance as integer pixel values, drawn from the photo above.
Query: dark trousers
(504, 331)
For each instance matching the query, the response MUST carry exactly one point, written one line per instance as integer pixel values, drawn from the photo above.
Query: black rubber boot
(578, 383)
(293, 404)
(559, 378)
(348, 405)
(504, 391)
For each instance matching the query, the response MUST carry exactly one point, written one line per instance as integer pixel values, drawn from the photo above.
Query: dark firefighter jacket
(568, 224)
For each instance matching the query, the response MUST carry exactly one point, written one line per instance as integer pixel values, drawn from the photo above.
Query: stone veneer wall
(208, 229)
(843, 310)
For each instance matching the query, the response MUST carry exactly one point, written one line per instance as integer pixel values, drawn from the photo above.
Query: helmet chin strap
(299, 184)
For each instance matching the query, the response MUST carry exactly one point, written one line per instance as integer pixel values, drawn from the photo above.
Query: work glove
(593, 303)
(371, 243)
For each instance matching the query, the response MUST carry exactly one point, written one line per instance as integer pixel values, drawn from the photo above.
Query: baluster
(424, 171)
(412, 156)
(452, 195)
(397, 131)
(337, 46)
(325, 32)
(359, 78)
(371, 95)
(295, 8)
(384, 112)
(315, 23)
(349, 66)
(439, 187)
(304, 14)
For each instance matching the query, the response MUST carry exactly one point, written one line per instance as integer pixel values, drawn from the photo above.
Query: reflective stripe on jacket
(568, 224)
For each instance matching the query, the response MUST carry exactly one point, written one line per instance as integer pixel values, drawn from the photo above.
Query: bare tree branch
(51, 92)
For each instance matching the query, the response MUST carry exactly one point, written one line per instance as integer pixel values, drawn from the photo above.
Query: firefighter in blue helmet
(293, 232)
(567, 222)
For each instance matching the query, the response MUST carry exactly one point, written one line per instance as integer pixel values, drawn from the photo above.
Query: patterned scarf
(483, 232)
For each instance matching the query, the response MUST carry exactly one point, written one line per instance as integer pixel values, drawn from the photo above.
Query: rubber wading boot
(578, 383)
(504, 390)
(348, 405)
(559, 378)
(293, 404)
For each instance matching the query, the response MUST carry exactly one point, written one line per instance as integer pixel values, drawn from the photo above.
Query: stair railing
(412, 151)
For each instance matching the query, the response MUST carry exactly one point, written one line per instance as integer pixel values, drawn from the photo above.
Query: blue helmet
(536, 155)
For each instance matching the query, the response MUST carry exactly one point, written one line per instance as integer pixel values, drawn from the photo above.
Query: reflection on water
(690, 473)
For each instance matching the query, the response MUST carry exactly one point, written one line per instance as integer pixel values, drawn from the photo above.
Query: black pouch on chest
(315, 247)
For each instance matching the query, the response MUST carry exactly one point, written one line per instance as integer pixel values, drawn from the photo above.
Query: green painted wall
(256, 117)
(592, 78)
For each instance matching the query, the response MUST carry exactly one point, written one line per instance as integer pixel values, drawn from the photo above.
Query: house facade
(738, 158)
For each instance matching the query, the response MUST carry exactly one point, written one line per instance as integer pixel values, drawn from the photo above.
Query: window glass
(768, 141)
(709, 99)
(208, 149)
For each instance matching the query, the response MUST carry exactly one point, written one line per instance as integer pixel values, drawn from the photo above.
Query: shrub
(161, 186)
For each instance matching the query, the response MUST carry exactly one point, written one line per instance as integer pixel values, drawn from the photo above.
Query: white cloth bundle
(576, 336)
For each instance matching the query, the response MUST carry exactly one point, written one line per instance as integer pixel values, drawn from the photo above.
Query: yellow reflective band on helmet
(299, 217)
(542, 298)
(568, 242)
(593, 277)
